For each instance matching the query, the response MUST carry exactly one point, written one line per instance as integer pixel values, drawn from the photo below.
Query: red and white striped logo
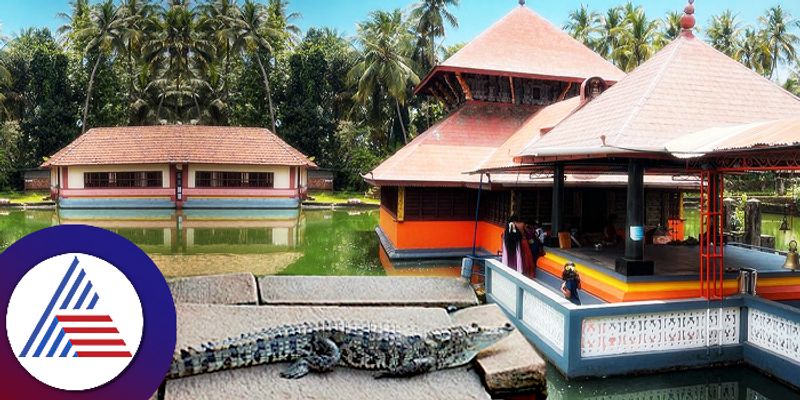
(74, 322)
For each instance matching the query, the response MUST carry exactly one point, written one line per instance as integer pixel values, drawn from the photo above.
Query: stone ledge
(202, 323)
(366, 291)
(216, 289)
(512, 365)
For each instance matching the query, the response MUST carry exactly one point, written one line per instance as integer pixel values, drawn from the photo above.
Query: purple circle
(146, 371)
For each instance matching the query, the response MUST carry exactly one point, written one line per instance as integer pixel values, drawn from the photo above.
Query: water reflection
(732, 383)
(199, 242)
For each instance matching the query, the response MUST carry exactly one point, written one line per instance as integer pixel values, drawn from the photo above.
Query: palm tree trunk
(402, 126)
(269, 95)
(89, 94)
(130, 72)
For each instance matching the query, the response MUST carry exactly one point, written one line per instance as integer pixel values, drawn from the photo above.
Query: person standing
(512, 251)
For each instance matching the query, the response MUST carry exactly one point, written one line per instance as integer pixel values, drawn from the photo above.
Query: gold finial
(687, 20)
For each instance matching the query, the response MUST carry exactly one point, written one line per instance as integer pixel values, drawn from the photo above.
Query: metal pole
(477, 215)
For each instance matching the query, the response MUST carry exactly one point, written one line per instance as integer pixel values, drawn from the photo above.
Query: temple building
(690, 111)
(178, 166)
(512, 84)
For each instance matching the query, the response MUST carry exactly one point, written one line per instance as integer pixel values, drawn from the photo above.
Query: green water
(343, 242)
(770, 225)
(315, 242)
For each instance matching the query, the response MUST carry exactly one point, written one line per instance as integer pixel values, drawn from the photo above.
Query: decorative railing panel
(544, 320)
(776, 334)
(504, 291)
(661, 331)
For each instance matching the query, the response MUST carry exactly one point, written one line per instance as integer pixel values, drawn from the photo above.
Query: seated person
(572, 282)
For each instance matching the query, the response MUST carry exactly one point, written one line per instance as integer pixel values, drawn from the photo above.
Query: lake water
(273, 242)
(343, 242)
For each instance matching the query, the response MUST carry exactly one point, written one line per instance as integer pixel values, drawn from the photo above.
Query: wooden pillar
(401, 203)
(557, 214)
(634, 263)
(752, 222)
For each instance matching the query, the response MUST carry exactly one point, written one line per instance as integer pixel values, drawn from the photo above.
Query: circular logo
(89, 327)
(88, 316)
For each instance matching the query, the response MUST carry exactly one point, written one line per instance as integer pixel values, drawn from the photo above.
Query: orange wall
(439, 234)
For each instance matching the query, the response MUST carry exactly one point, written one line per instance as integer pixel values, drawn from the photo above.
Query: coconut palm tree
(429, 18)
(179, 54)
(610, 26)
(582, 24)
(105, 37)
(777, 25)
(639, 38)
(671, 26)
(281, 22)
(140, 25)
(754, 51)
(252, 33)
(216, 23)
(724, 31)
(792, 84)
(384, 67)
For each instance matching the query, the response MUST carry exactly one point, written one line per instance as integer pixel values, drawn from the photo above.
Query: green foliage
(310, 103)
(44, 101)
(226, 62)
(9, 154)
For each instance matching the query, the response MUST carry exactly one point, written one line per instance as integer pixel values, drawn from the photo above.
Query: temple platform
(676, 274)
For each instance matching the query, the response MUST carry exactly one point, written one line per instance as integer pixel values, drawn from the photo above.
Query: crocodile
(322, 346)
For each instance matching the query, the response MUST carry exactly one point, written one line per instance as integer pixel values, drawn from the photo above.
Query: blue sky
(474, 15)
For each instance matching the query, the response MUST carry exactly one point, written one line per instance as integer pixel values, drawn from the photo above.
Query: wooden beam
(513, 95)
(564, 93)
(464, 86)
(455, 92)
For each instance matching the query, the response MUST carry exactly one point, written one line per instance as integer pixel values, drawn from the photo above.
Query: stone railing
(622, 338)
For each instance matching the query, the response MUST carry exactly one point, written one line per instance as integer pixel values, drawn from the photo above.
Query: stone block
(366, 291)
(512, 365)
(215, 289)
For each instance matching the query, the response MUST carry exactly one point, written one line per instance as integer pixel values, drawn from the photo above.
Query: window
(234, 179)
(122, 179)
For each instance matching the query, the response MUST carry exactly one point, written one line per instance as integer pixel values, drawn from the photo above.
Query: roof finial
(522, 2)
(687, 20)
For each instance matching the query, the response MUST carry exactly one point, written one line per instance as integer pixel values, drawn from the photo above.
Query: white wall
(281, 172)
(303, 177)
(76, 172)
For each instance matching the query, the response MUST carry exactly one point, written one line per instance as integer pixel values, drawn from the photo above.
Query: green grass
(24, 197)
(341, 197)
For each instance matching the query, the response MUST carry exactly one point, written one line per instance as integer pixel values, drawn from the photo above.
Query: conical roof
(686, 87)
(524, 44)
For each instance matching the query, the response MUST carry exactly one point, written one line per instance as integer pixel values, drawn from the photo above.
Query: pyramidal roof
(524, 44)
(686, 87)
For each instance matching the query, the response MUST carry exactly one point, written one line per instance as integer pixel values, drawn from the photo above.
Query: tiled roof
(178, 144)
(545, 119)
(780, 133)
(457, 144)
(685, 87)
(524, 44)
